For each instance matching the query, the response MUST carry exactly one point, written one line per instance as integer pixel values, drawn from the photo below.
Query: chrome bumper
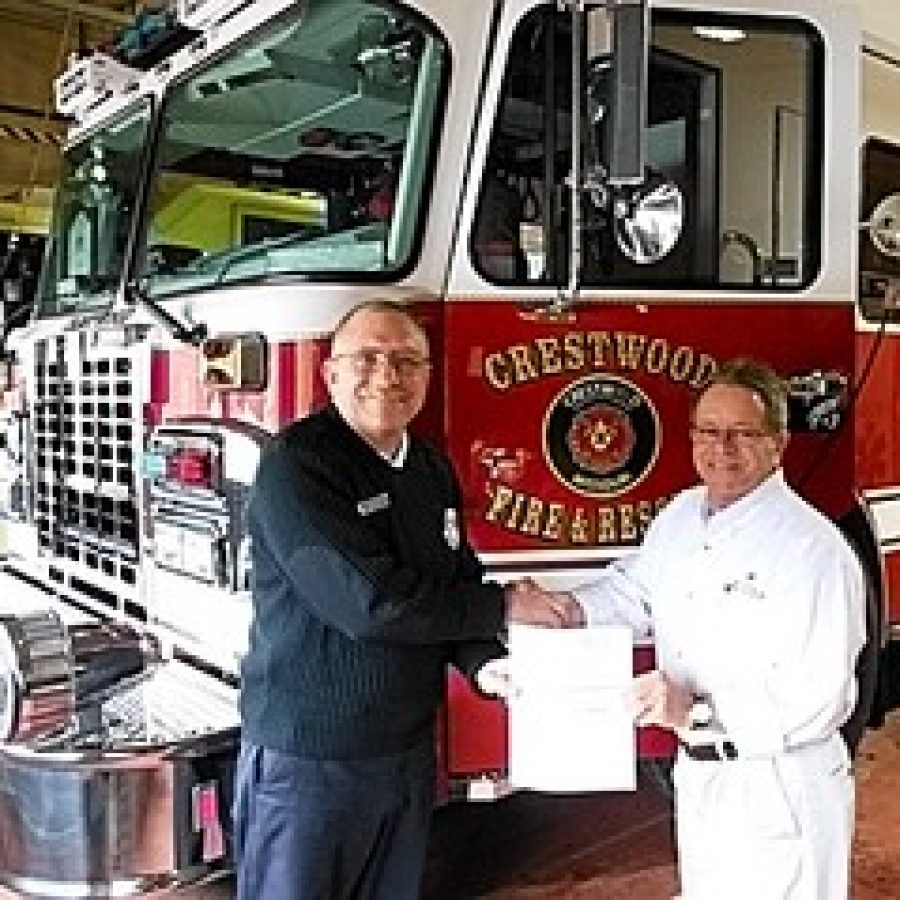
(133, 799)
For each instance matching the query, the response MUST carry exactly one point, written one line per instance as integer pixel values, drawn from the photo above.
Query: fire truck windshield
(93, 215)
(303, 150)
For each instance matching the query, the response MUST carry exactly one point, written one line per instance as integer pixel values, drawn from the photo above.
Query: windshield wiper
(194, 334)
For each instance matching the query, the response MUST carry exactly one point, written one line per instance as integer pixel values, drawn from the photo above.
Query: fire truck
(588, 204)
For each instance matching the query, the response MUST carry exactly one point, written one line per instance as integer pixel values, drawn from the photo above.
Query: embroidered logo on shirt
(745, 587)
(373, 504)
(451, 528)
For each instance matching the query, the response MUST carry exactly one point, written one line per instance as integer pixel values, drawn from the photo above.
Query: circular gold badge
(601, 436)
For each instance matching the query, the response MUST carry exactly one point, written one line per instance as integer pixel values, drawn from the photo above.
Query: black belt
(719, 752)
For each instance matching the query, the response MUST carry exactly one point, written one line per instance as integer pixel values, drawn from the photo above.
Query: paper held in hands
(571, 723)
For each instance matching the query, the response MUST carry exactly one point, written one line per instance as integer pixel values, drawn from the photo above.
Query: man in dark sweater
(364, 589)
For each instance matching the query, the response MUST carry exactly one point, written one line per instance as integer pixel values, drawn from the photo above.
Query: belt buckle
(726, 749)
(719, 750)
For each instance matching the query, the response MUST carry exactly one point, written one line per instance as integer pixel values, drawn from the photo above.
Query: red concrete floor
(618, 847)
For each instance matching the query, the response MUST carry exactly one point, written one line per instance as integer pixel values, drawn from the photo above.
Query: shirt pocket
(765, 796)
(745, 619)
(743, 800)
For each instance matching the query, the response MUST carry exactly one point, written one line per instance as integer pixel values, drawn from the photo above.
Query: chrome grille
(84, 422)
(176, 703)
(168, 704)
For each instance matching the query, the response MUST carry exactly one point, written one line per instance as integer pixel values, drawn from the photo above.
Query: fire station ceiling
(37, 37)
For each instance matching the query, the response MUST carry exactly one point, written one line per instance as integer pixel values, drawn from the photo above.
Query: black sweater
(360, 600)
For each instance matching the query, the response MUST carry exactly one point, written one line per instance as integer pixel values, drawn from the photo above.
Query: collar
(397, 459)
(762, 493)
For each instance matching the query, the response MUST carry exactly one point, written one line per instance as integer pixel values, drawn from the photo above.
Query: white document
(571, 723)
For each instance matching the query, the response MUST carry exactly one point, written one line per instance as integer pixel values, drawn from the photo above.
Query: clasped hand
(658, 700)
(529, 604)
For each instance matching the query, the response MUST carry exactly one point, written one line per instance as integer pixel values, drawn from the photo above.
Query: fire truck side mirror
(648, 223)
(884, 226)
(234, 362)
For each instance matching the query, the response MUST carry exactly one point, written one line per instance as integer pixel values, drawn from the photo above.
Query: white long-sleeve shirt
(760, 606)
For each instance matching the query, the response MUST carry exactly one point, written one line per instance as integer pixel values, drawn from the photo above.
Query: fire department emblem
(601, 436)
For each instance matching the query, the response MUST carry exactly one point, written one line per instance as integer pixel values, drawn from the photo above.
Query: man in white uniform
(756, 603)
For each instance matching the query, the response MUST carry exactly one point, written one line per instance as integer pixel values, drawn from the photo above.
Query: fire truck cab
(589, 205)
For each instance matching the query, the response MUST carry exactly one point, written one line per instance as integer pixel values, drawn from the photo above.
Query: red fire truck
(589, 205)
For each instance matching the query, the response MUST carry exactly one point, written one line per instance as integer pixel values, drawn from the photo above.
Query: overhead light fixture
(721, 33)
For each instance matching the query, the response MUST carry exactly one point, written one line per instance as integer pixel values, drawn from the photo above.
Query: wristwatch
(700, 715)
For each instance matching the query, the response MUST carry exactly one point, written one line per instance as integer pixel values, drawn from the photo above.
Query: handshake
(529, 604)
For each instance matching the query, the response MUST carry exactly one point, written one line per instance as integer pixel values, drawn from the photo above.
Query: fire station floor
(618, 847)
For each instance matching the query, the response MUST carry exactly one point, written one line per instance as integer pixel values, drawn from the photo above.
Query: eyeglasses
(365, 362)
(738, 436)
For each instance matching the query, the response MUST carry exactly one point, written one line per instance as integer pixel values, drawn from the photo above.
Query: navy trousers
(308, 829)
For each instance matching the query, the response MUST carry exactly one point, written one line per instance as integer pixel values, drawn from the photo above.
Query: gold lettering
(681, 364)
(579, 351)
(706, 366)
(644, 516)
(515, 512)
(551, 521)
(533, 514)
(496, 371)
(501, 502)
(523, 365)
(573, 351)
(630, 349)
(627, 528)
(601, 347)
(553, 527)
(606, 525)
(549, 355)
(657, 356)
(579, 529)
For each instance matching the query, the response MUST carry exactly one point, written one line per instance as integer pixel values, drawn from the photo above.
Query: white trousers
(773, 828)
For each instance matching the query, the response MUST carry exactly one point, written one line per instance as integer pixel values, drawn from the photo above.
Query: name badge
(373, 504)
(451, 528)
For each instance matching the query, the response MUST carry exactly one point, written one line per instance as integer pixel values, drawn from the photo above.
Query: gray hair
(763, 381)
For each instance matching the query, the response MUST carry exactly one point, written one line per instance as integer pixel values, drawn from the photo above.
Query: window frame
(810, 259)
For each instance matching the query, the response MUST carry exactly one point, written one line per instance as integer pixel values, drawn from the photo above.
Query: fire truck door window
(92, 218)
(305, 150)
(734, 119)
(879, 272)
